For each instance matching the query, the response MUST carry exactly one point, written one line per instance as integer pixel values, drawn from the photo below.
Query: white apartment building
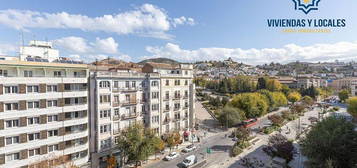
(177, 96)
(43, 111)
(354, 88)
(306, 82)
(117, 101)
(122, 98)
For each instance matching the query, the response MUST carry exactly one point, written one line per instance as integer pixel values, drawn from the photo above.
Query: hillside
(159, 60)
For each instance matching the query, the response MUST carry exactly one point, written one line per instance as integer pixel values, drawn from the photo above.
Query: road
(220, 147)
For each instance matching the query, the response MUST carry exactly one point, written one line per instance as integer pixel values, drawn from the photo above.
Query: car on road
(189, 161)
(234, 139)
(189, 148)
(171, 156)
(250, 122)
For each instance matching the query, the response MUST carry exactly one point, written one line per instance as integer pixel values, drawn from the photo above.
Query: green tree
(242, 133)
(253, 104)
(283, 148)
(276, 120)
(352, 106)
(307, 100)
(294, 97)
(230, 116)
(273, 85)
(262, 82)
(311, 91)
(280, 99)
(172, 139)
(285, 89)
(331, 139)
(343, 95)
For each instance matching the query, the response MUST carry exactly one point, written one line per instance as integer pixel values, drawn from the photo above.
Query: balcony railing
(185, 97)
(177, 97)
(176, 119)
(129, 116)
(185, 107)
(115, 104)
(132, 102)
(166, 98)
(177, 108)
(166, 109)
(166, 120)
(116, 117)
(117, 131)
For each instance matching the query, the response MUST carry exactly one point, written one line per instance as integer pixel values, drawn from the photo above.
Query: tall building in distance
(160, 97)
(43, 109)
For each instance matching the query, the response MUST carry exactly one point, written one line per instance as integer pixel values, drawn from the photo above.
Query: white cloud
(79, 48)
(107, 45)
(183, 20)
(147, 20)
(344, 51)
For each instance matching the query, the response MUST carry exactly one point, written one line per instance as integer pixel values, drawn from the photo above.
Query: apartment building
(306, 82)
(344, 83)
(43, 109)
(176, 96)
(160, 97)
(117, 101)
(354, 88)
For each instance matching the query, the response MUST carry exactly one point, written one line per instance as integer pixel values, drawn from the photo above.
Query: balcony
(115, 104)
(185, 107)
(166, 98)
(142, 101)
(128, 103)
(116, 131)
(116, 117)
(185, 97)
(130, 89)
(177, 97)
(166, 120)
(166, 109)
(176, 119)
(129, 116)
(177, 108)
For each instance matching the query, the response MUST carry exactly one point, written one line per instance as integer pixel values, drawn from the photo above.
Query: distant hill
(159, 60)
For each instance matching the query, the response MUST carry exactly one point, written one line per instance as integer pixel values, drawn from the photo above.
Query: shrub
(277, 120)
(236, 150)
(270, 129)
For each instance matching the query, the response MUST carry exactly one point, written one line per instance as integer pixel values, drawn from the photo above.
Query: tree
(343, 95)
(172, 139)
(262, 82)
(136, 143)
(230, 116)
(276, 120)
(294, 97)
(352, 106)
(307, 100)
(298, 108)
(285, 89)
(242, 133)
(253, 104)
(311, 91)
(325, 92)
(273, 85)
(331, 139)
(283, 148)
(280, 99)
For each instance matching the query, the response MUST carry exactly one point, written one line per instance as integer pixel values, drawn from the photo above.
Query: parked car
(235, 139)
(171, 156)
(189, 161)
(189, 148)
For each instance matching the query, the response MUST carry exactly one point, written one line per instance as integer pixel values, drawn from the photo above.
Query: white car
(189, 161)
(189, 148)
(171, 156)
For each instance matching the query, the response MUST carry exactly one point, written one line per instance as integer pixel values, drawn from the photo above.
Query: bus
(250, 122)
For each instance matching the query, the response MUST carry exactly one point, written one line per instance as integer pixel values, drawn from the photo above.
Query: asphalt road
(220, 147)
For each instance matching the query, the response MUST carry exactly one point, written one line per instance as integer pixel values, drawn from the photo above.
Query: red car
(250, 122)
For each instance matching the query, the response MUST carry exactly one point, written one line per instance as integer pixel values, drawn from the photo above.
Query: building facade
(354, 88)
(43, 112)
(159, 99)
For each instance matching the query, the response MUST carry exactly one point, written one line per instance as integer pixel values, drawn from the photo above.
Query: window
(167, 106)
(116, 84)
(104, 113)
(105, 128)
(12, 123)
(186, 82)
(33, 136)
(133, 84)
(155, 119)
(13, 156)
(154, 83)
(33, 120)
(104, 84)
(186, 72)
(155, 95)
(52, 148)
(52, 103)
(167, 83)
(52, 118)
(105, 143)
(32, 89)
(127, 97)
(11, 106)
(127, 84)
(3, 73)
(57, 73)
(33, 104)
(33, 152)
(177, 82)
(116, 112)
(104, 98)
(28, 73)
(51, 88)
(116, 99)
(177, 106)
(12, 140)
(76, 74)
(186, 93)
(167, 95)
(11, 89)
(52, 133)
(155, 107)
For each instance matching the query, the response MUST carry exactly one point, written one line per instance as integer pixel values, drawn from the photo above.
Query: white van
(189, 161)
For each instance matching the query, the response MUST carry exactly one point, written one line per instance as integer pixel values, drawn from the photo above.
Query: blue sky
(180, 29)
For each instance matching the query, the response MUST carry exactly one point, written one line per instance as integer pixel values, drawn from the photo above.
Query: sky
(184, 30)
